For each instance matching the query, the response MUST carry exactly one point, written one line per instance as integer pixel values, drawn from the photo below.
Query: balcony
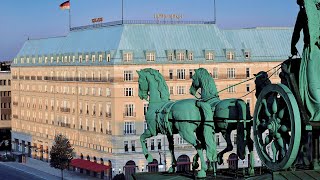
(129, 132)
(109, 132)
(65, 109)
(15, 103)
(108, 115)
(65, 125)
(127, 114)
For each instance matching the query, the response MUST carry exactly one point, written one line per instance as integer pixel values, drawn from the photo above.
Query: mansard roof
(264, 44)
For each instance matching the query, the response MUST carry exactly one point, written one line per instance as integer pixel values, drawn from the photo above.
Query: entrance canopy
(88, 165)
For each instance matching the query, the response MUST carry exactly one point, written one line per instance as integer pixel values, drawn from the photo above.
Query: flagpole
(122, 12)
(215, 14)
(69, 15)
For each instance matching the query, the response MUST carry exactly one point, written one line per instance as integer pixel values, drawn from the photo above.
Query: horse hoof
(220, 160)
(195, 165)
(171, 170)
(149, 158)
(201, 174)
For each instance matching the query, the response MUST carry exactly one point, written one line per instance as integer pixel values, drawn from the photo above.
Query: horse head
(143, 85)
(261, 81)
(202, 79)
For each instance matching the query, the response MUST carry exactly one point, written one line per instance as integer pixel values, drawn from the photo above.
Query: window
(100, 57)
(129, 128)
(87, 58)
(248, 87)
(247, 72)
(150, 56)
(181, 141)
(133, 145)
(108, 57)
(209, 56)
(145, 126)
(80, 59)
(152, 144)
(128, 91)
(231, 72)
(170, 56)
(159, 143)
(181, 90)
(108, 92)
(171, 89)
(248, 101)
(171, 74)
(230, 55)
(128, 75)
(215, 73)
(247, 55)
(231, 89)
(129, 110)
(181, 73)
(180, 56)
(190, 56)
(145, 108)
(93, 58)
(73, 58)
(127, 57)
(125, 146)
(191, 71)
(218, 140)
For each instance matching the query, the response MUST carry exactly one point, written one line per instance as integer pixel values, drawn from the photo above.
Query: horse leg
(191, 138)
(226, 136)
(143, 137)
(195, 163)
(241, 128)
(209, 137)
(250, 147)
(172, 169)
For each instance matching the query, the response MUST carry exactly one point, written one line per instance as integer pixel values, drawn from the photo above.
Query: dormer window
(87, 58)
(127, 57)
(247, 55)
(80, 59)
(190, 56)
(57, 59)
(230, 55)
(28, 60)
(93, 58)
(73, 58)
(108, 57)
(100, 58)
(46, 60)
(180, 56)
(170, 56)
(150, 56)
(209, 55)
(22, 60)
(51, 59)
(65, 58)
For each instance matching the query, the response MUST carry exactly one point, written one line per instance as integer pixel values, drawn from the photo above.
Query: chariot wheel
(277, 127)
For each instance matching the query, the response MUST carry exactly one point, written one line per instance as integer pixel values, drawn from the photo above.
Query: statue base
(297, 175)
(190, 175)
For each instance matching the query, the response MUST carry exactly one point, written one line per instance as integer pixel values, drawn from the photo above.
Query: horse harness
(162, 118)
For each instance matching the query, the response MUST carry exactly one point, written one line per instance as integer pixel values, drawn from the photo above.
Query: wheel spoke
(274, 106)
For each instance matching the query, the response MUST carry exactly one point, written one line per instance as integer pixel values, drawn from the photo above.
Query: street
(8, 173)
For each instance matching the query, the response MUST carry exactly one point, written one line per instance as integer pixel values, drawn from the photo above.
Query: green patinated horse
(167, 117)
(228, 115)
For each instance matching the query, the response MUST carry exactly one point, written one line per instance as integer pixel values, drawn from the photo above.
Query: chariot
(286, 122)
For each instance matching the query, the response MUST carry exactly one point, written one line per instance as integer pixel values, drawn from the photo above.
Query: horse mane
(207, 82)
(162, 85)
(262, 80)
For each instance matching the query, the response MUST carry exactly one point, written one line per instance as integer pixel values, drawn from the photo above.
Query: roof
(264, 44)
(86, 164)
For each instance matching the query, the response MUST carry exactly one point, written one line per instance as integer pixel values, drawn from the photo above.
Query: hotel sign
(167, 16)
(97, 20)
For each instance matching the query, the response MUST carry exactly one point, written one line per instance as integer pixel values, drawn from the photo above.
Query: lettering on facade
(167, 16)
(97, 20)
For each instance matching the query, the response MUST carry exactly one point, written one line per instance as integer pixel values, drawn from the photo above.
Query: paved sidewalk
(43, 170)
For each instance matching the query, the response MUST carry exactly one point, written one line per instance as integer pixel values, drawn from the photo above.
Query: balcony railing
(109, 132)
(65, 125)
(65, 109)
(108, 115)
(129, 132)
(129, 114)
(15, 103)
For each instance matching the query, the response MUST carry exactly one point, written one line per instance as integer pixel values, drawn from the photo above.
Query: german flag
(65, 5)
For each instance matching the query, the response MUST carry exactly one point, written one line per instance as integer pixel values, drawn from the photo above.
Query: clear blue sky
(20, 19)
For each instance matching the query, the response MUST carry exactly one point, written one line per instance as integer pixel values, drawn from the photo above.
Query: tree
(61, 153)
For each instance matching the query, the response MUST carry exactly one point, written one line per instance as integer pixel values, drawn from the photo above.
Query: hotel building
(84, 85)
